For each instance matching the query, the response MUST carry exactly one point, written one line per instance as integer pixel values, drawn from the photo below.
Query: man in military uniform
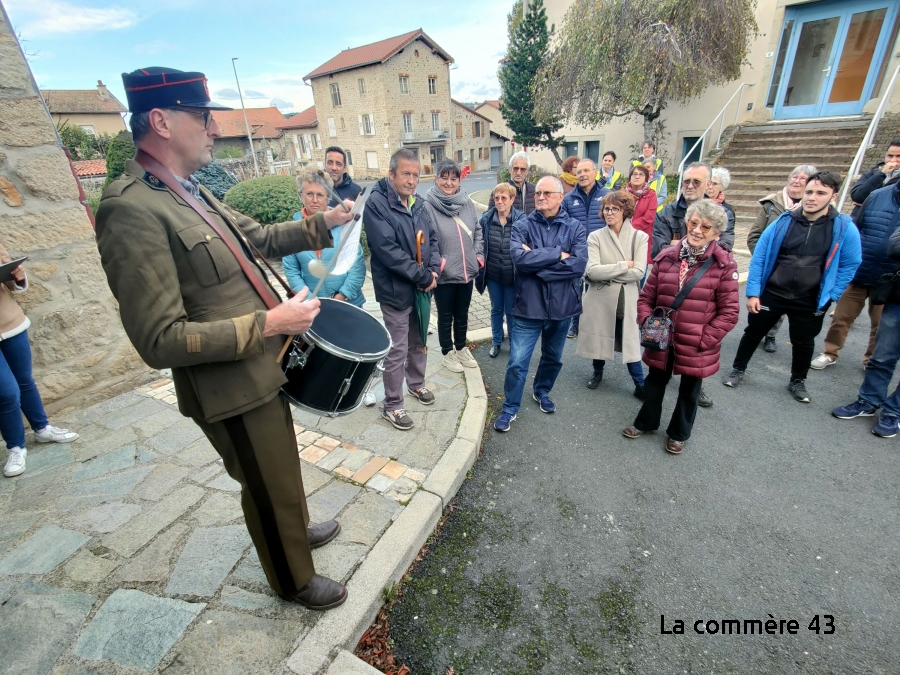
(189, 304)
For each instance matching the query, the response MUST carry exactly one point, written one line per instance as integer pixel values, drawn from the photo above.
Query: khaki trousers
(259, 450)
(848, 308)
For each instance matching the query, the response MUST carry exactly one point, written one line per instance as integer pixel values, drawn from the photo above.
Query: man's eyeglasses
(693, 182)
(546, 193)
(207, 116)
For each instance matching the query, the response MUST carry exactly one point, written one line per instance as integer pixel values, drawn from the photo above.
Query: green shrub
(93, 198)
(270, 199)
(672, 183)
(121, 149)
(229, 153)
(214, 178)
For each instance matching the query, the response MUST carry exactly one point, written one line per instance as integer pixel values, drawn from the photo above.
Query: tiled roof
(90, 167)
(469, 110)
(264, 122)
(307, 118)
(62, 101)
(493, 104)
(376, 52)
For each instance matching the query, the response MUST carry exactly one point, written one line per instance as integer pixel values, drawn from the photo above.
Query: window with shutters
(404, 85)
(371, 159)
(349, 158)
(368, 128)
(432, 85)
(318, 140)
(435, 121)
(335, 94)
(476, 129)
(459, 156)
(407, 122)
(459, 130)
(332, 130)
(362, 85)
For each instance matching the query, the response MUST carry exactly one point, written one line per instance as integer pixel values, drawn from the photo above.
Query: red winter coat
(705, 317)
(644, 215)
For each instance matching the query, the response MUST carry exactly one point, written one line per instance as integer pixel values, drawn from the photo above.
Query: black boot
(595, 380)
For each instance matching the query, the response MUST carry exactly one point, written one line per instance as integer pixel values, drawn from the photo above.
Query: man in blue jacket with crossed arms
(549, 251)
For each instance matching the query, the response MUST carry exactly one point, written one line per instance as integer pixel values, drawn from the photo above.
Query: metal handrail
(867, 139)
(721, 114)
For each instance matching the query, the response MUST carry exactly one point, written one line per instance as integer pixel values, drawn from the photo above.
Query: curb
(327, 648)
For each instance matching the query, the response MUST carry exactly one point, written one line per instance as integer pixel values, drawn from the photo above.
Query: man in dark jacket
(873, 393)
(668, 228)
(393, 217)
(881, 175)
(549, 250)
(335, 165)
(519, 164)
(878, 219)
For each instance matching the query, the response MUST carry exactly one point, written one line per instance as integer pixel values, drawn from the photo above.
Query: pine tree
(528, 47)
(121, 149)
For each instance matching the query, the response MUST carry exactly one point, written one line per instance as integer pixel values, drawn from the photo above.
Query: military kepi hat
(148, 88)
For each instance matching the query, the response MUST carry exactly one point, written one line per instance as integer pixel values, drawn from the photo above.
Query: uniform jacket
(547, 288)
(878, 219)
(459, 251)
(524, 200)
(606, 275)
(391, 233)
(871, 180)
(296, 269)
(12, 319)
(705, 317)
(669, 224)
(347, 189)
(586, 207)
(497, 258)
(771, 206)
(184, 301)
(840, 266)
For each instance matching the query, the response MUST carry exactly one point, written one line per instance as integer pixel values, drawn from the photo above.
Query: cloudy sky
(72, 44)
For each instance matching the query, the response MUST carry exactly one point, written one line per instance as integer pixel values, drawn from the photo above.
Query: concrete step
(794, 140)
(789, 154)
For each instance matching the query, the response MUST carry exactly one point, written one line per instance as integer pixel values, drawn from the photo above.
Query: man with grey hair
(394, 218)
(519, 164)
(772, 206)
(549, 250)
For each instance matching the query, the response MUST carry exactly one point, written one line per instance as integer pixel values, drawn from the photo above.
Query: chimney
(102, 91)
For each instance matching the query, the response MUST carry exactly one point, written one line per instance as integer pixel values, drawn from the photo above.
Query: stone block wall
(467, 147)
(81, 353)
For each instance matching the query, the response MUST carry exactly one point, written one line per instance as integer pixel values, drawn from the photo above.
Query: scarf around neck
(786, 200)
(639, 193)
(449, 205)
(689, 257)
(568, 178)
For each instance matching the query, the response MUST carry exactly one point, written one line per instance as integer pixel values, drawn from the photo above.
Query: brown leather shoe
(320, 534)
(320, 593)
(632, 432)
(674, 447)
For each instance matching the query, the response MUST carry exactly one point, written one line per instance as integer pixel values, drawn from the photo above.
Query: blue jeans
(523, 337)
(880, 368)
(18, 392)
(502, 297)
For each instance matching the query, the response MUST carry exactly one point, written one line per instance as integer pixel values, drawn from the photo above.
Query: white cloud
(54, 17)
(227, 94)
(281, 104)
(477, 48)
(250, 93)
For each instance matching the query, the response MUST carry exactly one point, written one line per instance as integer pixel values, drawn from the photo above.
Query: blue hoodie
(840, 266)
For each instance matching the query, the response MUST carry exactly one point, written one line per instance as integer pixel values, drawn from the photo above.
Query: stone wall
(467, 147)
(81, 353)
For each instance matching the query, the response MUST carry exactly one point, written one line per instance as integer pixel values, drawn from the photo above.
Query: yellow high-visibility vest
(639, 162)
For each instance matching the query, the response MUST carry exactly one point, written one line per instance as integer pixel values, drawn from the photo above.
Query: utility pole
(246, 122)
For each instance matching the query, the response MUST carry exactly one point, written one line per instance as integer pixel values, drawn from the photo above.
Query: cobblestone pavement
(127, 552)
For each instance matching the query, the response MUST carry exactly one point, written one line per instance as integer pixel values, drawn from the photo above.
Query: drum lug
(297, 359)
(345, 387)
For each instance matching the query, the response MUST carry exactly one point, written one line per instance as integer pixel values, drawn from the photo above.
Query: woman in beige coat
(617, 258)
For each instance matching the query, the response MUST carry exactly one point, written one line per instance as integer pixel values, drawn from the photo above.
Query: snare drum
(331, 365)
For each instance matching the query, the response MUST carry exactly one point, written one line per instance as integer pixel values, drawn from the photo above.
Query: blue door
(830, 57)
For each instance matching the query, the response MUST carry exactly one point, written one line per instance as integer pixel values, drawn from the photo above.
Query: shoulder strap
(263, 289)
(683, 293)
(460, 222)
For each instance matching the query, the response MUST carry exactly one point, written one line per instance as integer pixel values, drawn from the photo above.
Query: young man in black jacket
(882, 174)
(336, 165)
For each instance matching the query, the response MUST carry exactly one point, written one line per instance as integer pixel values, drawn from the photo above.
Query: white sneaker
(15, 462)
(451, 362)
(464, 356)
(51, 434)
(821, 362)
(369, 399)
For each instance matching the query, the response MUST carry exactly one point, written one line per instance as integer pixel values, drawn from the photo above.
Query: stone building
(471, 137)
(94, 110)
(81, 353)
(501, 135)
(374, 99)
(301, 140)
(264, 124)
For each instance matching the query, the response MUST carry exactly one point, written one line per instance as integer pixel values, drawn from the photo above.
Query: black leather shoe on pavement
(769, 345)
(320, 593)
(321, 533)
(595, 380)
(493, 351)
(704, 401)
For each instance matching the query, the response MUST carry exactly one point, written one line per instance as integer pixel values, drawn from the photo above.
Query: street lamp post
(246, 122)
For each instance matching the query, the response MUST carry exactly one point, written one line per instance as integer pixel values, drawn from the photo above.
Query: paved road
(569, 541)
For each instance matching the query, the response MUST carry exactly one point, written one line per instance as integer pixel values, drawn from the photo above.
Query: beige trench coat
(608, 255)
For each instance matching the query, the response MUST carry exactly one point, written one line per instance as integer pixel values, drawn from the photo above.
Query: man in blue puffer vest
(801, 264)
(549, 251)
(583, 203)
(878, 217)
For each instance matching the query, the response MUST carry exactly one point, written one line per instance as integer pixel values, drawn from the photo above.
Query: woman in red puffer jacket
(645, 206)
(705, 317)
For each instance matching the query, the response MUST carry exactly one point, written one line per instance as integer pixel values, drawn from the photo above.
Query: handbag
(887, 289)
(658, 328)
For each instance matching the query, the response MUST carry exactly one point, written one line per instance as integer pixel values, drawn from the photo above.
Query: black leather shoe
(769, 345)
(595, 380)
(704, 401)
(320, 593)
(639, 392)
(320, 534)
(493, 351)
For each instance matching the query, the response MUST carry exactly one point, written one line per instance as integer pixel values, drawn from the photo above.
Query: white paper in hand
(349, 247)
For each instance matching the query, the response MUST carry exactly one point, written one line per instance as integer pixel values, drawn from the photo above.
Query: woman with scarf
(346, 287)
(705, 317)
(460, 244)
(645, 202)
(568, 177)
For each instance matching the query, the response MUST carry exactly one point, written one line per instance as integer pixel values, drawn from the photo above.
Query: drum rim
(311, 338)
